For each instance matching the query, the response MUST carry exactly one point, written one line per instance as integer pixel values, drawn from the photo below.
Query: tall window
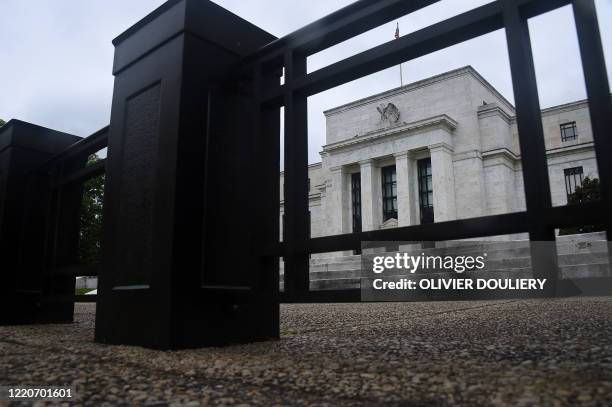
(356, 203)
(356, 197)
(568, 131)
(425, 191)
(389, 193)
(573, 179)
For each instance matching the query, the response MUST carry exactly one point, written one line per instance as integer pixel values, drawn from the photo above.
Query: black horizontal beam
(339, 26)
(494, 225)
(86, 298)
(452, 31)
(455, 30)
(77, 270)
(82, 148)
(359, 17)
(84, 174)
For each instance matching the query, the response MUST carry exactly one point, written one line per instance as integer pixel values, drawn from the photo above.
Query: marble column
(405, 196)
(443, 180)
(371, 195)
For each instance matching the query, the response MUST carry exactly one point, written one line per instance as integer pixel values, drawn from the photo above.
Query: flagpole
(397, 35)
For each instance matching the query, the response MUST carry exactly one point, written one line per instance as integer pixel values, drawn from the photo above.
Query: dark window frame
(389, 192)
(572, 176)
(425, 178)
(356, 201)
(566, 128)
(356, 205)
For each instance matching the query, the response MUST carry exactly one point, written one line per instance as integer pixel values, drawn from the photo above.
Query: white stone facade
(464, 126)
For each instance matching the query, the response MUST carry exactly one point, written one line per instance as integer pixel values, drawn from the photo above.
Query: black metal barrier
(178, 153)
(66, 174)
(42, 197)
(539, 219)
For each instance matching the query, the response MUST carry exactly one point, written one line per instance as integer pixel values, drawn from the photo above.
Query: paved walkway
(550, 352)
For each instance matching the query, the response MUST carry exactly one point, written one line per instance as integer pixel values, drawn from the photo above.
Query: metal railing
(66, 172)
(290, 52)
(62, 179)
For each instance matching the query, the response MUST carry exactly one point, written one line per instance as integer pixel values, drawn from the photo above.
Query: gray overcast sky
(57, 55)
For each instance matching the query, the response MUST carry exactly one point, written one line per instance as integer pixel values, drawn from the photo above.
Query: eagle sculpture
(389, 113)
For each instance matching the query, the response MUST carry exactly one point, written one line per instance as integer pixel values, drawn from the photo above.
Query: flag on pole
(397, 35)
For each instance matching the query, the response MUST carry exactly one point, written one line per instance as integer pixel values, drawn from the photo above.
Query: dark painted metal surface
(180, 157)
(195, 123)
(297, 263)
(540, 219)
(24, 217)
(600, 101)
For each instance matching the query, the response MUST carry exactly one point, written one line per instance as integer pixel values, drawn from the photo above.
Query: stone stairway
(579, 257)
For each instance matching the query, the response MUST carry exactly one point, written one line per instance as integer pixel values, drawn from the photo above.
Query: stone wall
(464, 126)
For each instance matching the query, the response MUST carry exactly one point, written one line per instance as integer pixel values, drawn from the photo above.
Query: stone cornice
(403, 154)
(500, 156)
(369, 161)
(440, 146)
(567, 107)
(441, 121)
(492, 109)
(589, 146)
(467, 155)
(500, 152)
(466, 70)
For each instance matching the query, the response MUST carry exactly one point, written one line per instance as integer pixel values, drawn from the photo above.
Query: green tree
(90, 235)
(589, 191)
(2, 122)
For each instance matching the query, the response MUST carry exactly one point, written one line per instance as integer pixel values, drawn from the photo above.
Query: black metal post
(25, 147)
(179, 268)
(297, 227)
(600, 103)
(265, 224)
(533, 149)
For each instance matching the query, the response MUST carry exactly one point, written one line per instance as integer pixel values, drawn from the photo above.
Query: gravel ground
(527, 352)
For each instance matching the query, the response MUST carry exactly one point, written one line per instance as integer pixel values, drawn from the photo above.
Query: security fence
(183, 74)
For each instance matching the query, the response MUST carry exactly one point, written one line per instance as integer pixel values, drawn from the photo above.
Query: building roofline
(317, 164)
(568, 106)
(468, 69)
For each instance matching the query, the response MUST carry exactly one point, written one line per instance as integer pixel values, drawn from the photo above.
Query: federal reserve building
(439, 149)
